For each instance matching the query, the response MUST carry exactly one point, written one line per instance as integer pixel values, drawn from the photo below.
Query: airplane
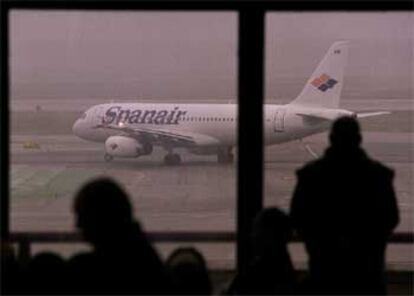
(133, 129)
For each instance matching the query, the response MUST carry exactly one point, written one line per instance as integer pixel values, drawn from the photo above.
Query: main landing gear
(225, 155)
(172, 159)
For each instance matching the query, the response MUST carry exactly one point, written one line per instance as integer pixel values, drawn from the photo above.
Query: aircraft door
(98, 115)
(279, 121)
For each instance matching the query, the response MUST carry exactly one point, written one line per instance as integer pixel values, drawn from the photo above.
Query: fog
(193, 56)
(63, 62)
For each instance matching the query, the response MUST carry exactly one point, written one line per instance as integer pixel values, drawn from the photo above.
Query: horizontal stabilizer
(370, 114)
(317, 116)
(325, 114)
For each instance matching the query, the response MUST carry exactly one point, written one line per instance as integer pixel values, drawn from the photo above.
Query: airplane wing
(369, 114)
(165, 137)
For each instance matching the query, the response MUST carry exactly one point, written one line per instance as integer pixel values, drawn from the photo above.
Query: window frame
(251, 17)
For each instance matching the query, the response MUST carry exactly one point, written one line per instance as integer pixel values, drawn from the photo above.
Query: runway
(199, 195)
(49, 176)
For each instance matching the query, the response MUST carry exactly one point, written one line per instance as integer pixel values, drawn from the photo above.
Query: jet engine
(122, 146)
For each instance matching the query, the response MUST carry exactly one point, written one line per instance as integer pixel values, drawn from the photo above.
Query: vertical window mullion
(250, 127)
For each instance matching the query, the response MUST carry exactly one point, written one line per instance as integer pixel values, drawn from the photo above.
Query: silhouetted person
(122, 260)
(46, 274)
(83, 275)
(271, 270)
(189, 272)
(344, 207)
(10, 272)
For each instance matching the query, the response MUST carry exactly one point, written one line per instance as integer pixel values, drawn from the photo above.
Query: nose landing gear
(172, 159)
(108, 157)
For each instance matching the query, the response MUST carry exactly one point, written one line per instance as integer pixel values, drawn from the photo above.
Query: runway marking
(19, 174)
(30, 176)
(69, 180)
(37, 185)
(47, 182)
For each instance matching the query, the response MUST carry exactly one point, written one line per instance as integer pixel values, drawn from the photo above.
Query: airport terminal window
(68, 61)
(376, 78)
(43, 172)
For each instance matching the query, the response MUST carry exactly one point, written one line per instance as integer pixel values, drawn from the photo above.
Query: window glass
(377, 77)
(64, 62)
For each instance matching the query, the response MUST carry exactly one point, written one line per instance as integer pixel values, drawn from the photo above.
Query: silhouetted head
(83, 274)
(102, 209)
(272, 229)
(189, 272)
(345, 134)
(46, 263)
(47, 274)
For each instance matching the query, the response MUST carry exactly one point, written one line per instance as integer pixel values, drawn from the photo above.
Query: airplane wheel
(108, 157)
(172, 159)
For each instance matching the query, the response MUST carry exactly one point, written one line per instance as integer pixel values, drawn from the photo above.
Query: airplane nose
(76, 128)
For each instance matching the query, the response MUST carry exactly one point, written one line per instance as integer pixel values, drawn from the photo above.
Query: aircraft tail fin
(323, 89)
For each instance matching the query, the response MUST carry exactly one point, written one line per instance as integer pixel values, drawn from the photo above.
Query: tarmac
(200, 194)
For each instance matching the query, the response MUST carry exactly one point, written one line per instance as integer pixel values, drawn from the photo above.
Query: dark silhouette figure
(11, 272)
(122, 260)
(344, 207)
(46, 275)
(189, 272)
(84, 279)
(271, 270)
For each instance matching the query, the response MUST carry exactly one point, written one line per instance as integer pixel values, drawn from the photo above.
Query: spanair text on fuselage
(200, 118)
(220, 120)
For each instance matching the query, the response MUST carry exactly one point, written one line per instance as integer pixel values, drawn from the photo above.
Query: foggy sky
(130, 55)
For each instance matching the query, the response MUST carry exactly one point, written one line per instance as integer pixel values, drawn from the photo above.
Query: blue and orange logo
(324, 82)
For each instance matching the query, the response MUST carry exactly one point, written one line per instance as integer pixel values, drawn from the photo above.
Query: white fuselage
(219, 121)
(132, 129)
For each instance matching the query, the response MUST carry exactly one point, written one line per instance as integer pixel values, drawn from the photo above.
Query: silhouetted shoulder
(310, 168)
(382, 169)
(316, 166)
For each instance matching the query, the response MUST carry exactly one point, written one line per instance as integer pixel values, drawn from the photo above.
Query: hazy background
(380, 62)
(63, 62)
(193, 56)
(123, 55)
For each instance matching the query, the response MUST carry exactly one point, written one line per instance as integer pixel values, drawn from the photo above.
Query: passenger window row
(191, 118)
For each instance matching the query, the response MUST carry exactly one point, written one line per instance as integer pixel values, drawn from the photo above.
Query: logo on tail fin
(324, 82)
